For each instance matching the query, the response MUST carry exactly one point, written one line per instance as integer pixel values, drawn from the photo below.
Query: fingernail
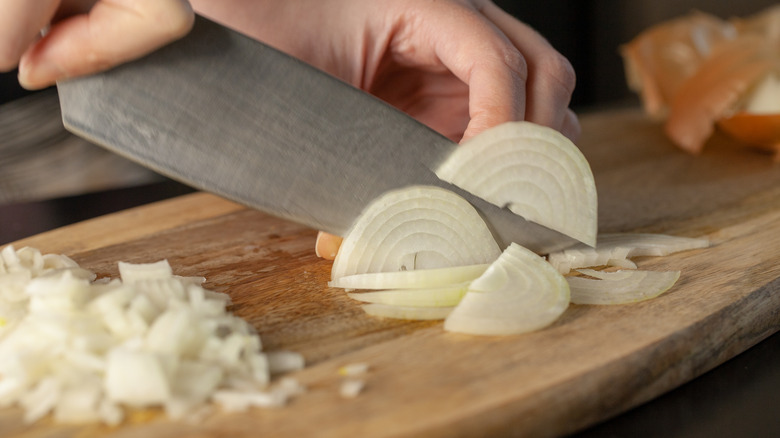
(34, 76)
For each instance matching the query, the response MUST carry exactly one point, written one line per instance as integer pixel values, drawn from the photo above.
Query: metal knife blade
(227, 114)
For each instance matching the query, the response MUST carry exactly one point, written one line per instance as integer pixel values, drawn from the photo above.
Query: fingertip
(327, 245)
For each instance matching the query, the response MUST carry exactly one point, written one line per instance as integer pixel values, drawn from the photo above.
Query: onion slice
(533, 170)
(612, 248)
(443, 296)
(418, 227)
(407, 312)
(419, 279)
(520, 292)
(620, 287)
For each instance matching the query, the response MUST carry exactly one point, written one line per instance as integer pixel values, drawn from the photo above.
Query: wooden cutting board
(593, 363)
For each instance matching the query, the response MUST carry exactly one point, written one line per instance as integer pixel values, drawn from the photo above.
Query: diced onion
(351, 388)
(533, 170)
(418, 227)
(620, 287)
(612, 248)
(85, 350)
(520, 292)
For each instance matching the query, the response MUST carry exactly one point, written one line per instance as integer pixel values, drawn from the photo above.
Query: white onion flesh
(533, 170)
(620, 287)
(520, 292)
(418, 227)
(85, 350)
(407, 312)
(442, 296)
(418, 279)
(612, 248)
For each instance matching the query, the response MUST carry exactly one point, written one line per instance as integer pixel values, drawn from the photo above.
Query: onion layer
(442, 296)
(533, 170)
(419, 227)
(620, 287)
(419, 279)
(520, 292)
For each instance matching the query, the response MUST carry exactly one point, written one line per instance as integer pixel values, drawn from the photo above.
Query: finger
(20, 25)
(114, 31)
(483, 58)
(327, 245)
(570, 127)
(551, 78)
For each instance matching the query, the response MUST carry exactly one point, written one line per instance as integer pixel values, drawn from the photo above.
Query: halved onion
(620, 287)
(533, 170)
(520, 292)
(442, 296)
(611, 248)
(407, 312)
(418, 227)
(419, 279)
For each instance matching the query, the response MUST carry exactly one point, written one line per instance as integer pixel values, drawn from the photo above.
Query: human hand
(459, 66)
(84, 36)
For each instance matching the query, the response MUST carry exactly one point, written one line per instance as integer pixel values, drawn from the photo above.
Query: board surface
(595, 362)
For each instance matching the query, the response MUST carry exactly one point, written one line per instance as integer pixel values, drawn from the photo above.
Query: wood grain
(595, 362)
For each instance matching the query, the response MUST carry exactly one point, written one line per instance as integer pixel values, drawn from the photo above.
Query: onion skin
(716, 88)
(762, 130)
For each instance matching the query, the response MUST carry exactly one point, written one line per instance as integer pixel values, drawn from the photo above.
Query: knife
(224, 113)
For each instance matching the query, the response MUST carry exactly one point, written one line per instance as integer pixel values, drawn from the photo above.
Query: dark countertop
(740, 398)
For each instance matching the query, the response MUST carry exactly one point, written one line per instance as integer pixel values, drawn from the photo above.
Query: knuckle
(559, 68)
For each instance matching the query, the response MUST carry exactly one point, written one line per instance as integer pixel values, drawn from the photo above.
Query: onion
(407, 312)
(533, 170)
(421, 278)
(85, 350)
(442, 296)
(520, 292)
(418, 227)
(612, 248)
(620, 287)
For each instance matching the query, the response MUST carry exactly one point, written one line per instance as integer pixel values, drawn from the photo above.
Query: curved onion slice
(443, 296)
(613, 247)
(535, 171)
(620, 287)
(418, 227)
(407, 312)
(419, 279)
(520, 292)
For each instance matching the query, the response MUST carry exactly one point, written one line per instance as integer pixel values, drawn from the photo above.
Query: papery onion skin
(761, 130)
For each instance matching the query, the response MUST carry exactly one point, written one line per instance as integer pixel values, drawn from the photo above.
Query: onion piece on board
(612, 247)
(520, 292)
(418, 227)
(533, 170)
(421, 278)
(442, 296)
(407, 312)
(620, 287)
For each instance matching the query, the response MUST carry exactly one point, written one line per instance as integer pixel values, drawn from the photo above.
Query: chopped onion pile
(84, 350)
(519, 293)
(419, 227)
(619, 287)
(533, 170)
(613, 249)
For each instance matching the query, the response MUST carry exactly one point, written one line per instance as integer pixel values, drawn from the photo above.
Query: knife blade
(227, 114)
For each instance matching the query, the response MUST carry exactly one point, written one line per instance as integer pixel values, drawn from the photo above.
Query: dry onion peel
(533, 170)
(620, 287)
(611, 248)
(520, 292)
(418, 279)
(418, 227)
(442, 296)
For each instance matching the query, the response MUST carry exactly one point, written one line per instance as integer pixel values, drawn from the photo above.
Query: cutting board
(593, 363)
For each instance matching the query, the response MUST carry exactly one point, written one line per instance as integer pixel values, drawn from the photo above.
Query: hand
(459, 66)
(84, 36)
